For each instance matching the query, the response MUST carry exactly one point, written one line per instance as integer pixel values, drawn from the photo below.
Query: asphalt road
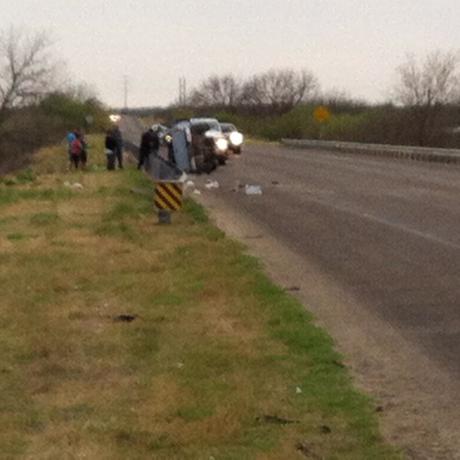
(385, 233)
(386, 230)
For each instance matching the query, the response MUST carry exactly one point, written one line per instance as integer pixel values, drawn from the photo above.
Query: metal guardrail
(393, 151)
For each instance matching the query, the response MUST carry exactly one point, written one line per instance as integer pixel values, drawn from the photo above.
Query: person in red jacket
(76, 148)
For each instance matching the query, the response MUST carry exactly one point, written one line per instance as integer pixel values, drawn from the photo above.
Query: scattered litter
(67, 184)
(196, 192)
(180, 365)
(298, 390)
(210, 184)
(306, 450)
(275, 419)
(325, 429)
(77, 185)
(253, 190)
(124, 318)
(189, 185)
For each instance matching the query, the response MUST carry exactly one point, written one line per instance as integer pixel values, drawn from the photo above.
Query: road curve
(384, 234)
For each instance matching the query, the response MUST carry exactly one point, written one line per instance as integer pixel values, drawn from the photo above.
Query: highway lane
(384, 234)
(386, 230)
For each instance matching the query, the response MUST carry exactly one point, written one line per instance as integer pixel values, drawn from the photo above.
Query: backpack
(76, 147)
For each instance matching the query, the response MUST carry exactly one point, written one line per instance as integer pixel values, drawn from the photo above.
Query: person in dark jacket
(150, 143)
(119, 149)
(110, 149)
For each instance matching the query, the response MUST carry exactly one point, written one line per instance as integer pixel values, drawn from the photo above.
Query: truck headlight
(236, 138)
(222, 145)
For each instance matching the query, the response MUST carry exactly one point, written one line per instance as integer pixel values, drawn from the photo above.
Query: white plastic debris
(196, 192)
(188, 185)
(253, 190)
(180, 365)
(77, 185)
(67, 184)
(210, 184)
(298, 390)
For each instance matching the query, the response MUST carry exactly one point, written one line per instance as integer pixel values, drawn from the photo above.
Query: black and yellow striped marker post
(168, 197)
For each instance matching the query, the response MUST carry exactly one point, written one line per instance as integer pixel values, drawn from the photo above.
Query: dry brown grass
(214, 348)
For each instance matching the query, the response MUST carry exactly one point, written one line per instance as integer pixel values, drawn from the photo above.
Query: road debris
(276, 420)
(189, 184)
(253, 189)
(306, 450)
(210, 184)
(338, 363)
(75, 185)
(124, 318)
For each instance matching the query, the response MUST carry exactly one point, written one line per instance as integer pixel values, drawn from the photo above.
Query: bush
(25, 130)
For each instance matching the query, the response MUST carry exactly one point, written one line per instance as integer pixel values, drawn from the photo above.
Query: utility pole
(182, 91)
(125, 88)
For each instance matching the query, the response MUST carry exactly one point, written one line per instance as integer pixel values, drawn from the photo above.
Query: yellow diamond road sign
(321, 114)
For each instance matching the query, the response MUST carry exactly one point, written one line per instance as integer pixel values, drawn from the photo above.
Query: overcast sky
(351, 45)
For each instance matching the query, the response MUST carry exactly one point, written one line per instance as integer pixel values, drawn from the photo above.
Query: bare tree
(26, 68)
(426, 87)
(217, 91)
(279, 90)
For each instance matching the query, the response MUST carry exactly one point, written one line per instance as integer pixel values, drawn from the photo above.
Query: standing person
(119, 149)
(84, 149)
(76, 148)
(70, 138)
(150, 143)
(110, 149)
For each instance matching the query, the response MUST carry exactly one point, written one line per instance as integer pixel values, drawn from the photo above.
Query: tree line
(423, 107)
(38, 102)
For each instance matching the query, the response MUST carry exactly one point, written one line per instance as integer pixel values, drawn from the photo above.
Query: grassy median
(124, 339)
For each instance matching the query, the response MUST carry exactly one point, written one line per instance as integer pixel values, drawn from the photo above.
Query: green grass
(215, 346)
